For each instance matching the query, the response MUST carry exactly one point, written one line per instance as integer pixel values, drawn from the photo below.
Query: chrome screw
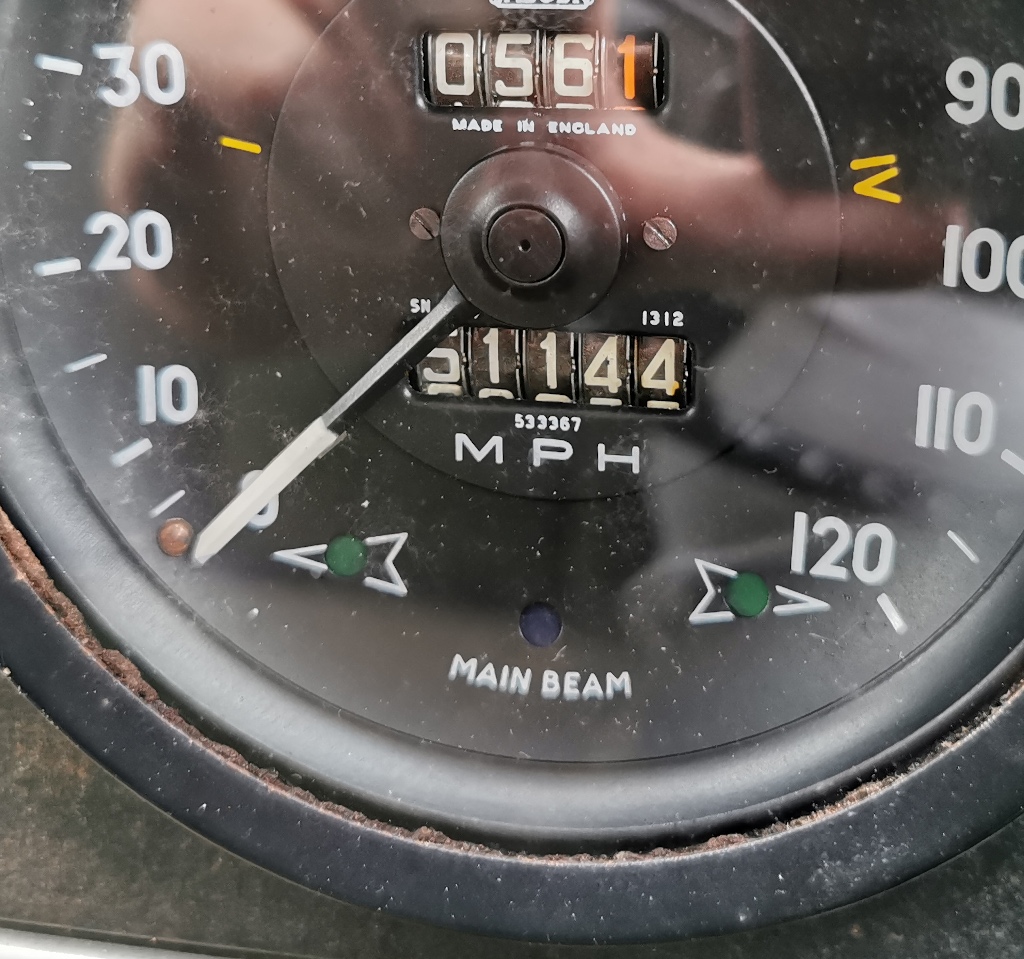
(425, 224)
(660, 233)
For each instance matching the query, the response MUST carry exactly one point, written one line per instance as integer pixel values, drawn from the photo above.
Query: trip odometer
(540, 433)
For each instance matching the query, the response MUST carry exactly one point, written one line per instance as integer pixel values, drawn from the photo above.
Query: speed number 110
(544, 70)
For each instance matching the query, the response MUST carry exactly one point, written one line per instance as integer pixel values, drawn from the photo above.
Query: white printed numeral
(943, 421)
(968, 80)
(550, 347)
(161, 76)
(267, 516)
(565, 66)
(492, 341)
(444, 82)
(603, 371)
(503, 61)
(660, 374)
(443, 382)
(873, 547)
(146, 236)
(984, 260)
(675, 319)
(170, 395)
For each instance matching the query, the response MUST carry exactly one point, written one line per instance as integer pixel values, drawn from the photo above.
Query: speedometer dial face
(627, 392)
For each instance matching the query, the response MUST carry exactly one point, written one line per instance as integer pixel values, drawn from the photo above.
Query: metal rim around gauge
(902, 823)
(474, 795)
(764, 513)
(874, 838)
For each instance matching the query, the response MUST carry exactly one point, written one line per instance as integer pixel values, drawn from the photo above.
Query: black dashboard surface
(81, 854)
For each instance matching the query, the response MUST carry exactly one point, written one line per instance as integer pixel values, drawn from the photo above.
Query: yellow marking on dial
(245, 146)
(871, 187)
(869, 163)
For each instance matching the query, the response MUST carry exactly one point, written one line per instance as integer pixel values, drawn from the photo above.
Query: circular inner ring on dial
(740, 337)
(330, 677)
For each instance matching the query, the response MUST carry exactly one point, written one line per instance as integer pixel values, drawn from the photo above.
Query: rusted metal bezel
(880, 834)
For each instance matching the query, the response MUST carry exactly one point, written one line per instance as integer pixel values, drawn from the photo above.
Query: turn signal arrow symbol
(347, 556)
(798, 604)
(704, 615)
(871, 187)
(306, 558)
(394, 585)
(750, 597)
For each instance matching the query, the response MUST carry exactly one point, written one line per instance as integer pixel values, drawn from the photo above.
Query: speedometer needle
(318, 438)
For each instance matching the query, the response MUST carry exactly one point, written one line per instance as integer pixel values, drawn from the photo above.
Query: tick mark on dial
(163, 507)
(58, 65)
(130, 453)
(47, 166)
(86, 363)
(69, 264)
(1012, 460)
(964, 548)
(893, 614)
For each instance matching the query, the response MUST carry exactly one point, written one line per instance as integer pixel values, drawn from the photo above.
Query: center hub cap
(525, 246)
(533, 237)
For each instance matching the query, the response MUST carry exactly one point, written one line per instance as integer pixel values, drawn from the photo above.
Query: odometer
(562, 441)
(555, 71)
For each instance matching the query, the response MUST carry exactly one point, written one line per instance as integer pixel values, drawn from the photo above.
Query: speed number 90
(980, 93)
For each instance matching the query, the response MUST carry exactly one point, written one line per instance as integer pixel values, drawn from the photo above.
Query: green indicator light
(747, 595)
(346, 556)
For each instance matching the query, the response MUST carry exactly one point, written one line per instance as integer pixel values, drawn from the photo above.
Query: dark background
(80, 853)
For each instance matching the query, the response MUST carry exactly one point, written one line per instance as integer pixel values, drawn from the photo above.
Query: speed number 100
(543, 70)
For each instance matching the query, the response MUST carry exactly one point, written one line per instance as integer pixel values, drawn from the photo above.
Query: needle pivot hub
(533, 237)
(525, 246)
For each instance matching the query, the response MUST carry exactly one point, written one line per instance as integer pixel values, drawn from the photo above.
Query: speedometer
(475, 447)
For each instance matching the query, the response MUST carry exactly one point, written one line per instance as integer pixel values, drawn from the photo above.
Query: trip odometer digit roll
(506, 446)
